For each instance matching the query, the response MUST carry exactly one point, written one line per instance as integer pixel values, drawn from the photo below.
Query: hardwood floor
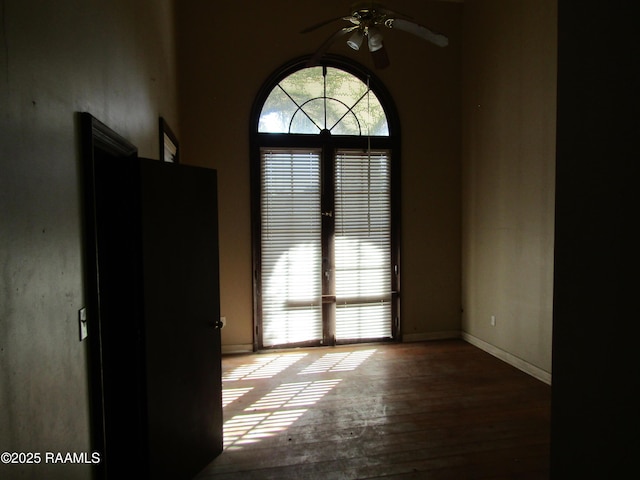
(434, 410)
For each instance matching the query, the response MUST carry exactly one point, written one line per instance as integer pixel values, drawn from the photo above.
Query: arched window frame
(324, 139)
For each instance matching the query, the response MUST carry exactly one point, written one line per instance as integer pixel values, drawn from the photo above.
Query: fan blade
(380, 58)
(419, 30)
(327, 43)
(390, 14)
(326, 22)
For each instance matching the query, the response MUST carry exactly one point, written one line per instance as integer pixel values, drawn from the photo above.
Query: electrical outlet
(82, 320)
(493, 320)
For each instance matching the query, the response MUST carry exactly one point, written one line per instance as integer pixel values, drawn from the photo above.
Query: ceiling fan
(367, 22)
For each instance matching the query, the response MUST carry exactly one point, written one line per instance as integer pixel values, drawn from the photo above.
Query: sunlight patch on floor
(251, 428)
(232, 394)
(295, 394)
(285, 404)
(258, 423)
(262, 367)
(338, 362)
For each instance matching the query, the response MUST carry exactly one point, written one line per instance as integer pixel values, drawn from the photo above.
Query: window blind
(363, 244)
(291, 246)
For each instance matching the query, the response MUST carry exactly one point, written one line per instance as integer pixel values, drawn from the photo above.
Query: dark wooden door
(182, 313)
(153, 301)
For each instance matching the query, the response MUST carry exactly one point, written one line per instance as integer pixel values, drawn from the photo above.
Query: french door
(326, 274)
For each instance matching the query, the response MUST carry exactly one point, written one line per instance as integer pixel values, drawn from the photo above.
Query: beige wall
(116, 60)
(509, 112)
(227, 50)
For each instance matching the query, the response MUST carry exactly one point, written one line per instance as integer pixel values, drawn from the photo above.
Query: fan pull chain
(368, 156)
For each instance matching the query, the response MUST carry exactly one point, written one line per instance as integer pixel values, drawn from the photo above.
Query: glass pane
(341, 120)
(345, 107)
(348, 125)
(291, 246)
(277, 113)
(357, 322)
(304, 84)
(303, 124)
(370, 112)
(311, 113)
(362, 245)
(344, 87)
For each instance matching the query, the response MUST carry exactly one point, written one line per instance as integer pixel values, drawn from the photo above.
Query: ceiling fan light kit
(355, 40)
(375, 39)
(366, 22)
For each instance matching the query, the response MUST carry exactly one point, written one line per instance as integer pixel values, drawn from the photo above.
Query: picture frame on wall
(169, 146)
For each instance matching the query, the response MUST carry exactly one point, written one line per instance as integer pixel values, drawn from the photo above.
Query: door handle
(216, 324)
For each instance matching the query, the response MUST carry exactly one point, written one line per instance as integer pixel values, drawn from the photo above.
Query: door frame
(97, 139)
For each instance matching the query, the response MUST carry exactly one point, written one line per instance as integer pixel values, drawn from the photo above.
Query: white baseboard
(512, 360)
(242, 348)
(422, 337)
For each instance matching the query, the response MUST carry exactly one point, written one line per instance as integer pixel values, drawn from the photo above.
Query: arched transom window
(323, 98)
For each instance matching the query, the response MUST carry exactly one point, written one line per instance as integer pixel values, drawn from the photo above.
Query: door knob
(216, 324)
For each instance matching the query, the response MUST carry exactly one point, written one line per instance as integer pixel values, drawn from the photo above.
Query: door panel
(362, 245)
(180, 235)
(291, 247)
